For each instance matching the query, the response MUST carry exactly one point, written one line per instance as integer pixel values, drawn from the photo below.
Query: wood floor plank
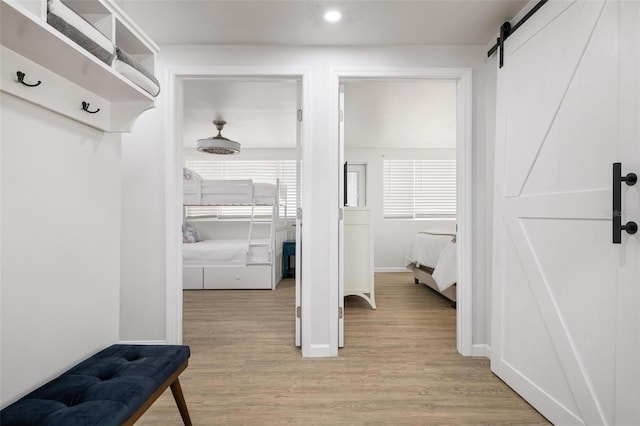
(399, 364)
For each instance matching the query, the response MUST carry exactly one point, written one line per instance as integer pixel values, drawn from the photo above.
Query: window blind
(419, 189)
(267, 171)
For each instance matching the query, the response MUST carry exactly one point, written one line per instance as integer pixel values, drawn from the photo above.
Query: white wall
(60, 255)
(321, 204)
(143, 233)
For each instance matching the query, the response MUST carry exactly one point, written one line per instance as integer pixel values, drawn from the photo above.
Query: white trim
(335, 118)
(464, 141)
(387, 269)
(173, 181)
(142, 342)
(173, 202)
(464, 287)
(481, 350)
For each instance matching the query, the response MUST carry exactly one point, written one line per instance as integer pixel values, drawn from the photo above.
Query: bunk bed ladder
(253, 245)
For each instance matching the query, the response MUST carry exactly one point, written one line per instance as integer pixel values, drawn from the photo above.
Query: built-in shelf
(28, 41)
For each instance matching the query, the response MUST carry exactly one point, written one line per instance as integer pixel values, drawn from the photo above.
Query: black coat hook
(21, 76)
(85, 107)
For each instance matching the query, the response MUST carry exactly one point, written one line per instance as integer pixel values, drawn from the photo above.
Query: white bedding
(217, 252)
(437, 251)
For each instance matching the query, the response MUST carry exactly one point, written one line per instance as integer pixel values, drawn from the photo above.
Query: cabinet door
(358, 253)
(356, 257)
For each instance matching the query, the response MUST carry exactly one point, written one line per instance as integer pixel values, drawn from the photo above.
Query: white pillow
(188, 174)
(190, 233)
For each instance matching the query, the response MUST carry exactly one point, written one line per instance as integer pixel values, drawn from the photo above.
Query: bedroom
(399, 138)
(241, 207)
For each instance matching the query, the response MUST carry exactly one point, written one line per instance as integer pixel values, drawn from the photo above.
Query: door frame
(174, 78)
(464, 175)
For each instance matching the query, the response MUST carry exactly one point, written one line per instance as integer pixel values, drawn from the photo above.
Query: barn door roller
(630, 179)
(506, 30)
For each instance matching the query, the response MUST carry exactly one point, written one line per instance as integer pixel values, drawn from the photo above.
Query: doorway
(178, 128)
(461, 80)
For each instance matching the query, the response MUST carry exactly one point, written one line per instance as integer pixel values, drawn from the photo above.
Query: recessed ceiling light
(333, 16)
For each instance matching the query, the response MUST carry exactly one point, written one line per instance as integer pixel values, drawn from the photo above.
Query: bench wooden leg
(176, 390)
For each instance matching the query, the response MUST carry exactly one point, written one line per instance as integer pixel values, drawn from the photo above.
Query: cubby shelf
(30, 42)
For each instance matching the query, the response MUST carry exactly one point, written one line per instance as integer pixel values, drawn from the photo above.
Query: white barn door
(566, 300)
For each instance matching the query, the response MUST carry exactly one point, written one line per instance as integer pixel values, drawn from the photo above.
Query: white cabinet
(69, 74)
(358, 254)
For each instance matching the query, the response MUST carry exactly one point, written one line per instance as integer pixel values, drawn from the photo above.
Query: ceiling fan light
(218, 144)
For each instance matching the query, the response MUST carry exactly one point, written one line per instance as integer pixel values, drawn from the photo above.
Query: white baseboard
(481, 350)
(142, 342)
(390, 269)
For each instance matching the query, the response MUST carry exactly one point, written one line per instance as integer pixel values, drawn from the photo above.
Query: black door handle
(630, 179)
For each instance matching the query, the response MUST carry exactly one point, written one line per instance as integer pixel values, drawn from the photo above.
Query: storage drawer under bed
(234, 277)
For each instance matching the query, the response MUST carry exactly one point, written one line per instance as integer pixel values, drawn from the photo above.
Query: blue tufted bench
(113, 387)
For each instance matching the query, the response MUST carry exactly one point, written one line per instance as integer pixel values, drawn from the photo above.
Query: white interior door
(299, 147)
(565, 322)
(341, 220)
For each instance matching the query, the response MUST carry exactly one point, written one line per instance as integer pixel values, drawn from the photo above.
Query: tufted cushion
(105, 389)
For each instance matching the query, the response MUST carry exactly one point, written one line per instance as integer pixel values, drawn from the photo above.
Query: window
(419, 189)
(258, 171)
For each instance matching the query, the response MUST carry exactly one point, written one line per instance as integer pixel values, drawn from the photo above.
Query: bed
(432, 258)
(203, 192)
(250, 254)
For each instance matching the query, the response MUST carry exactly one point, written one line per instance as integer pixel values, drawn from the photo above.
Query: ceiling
(260, 113)
(400, 114)
(300, 22)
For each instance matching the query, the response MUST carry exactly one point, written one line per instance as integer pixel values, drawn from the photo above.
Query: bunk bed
(433, 259)
(251, 258)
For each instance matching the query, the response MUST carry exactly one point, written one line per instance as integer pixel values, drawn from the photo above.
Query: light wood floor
(399, 366)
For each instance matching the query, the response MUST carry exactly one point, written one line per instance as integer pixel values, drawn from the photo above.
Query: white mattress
(218, 252)
(437, 251)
